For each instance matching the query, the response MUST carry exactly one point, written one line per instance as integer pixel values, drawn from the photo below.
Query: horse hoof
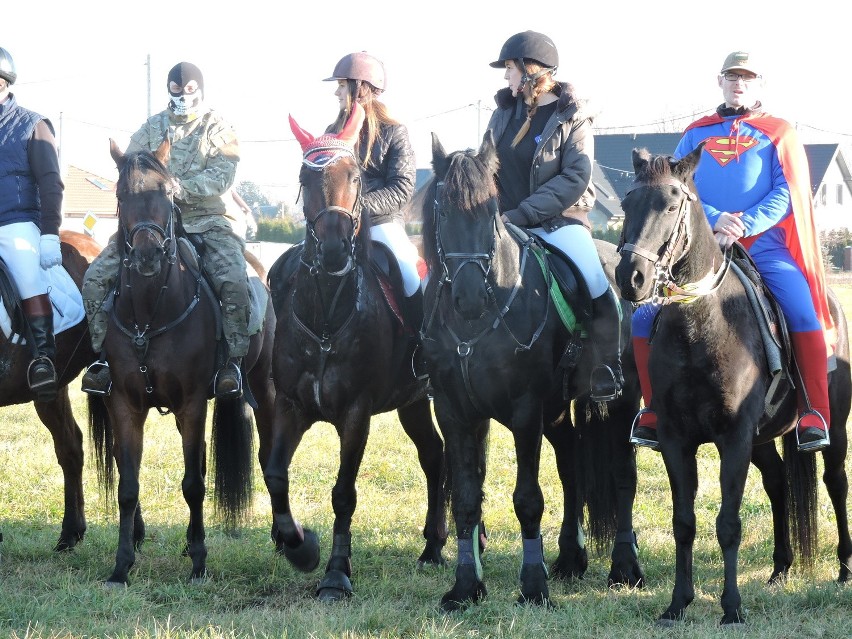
(335, 586)
(665, 622)
(306, 556)
(115, 585)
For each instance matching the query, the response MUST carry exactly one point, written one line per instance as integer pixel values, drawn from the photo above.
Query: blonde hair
(530, 92)
(375, 111)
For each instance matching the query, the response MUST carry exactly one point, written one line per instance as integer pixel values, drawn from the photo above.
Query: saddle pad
(65, 298)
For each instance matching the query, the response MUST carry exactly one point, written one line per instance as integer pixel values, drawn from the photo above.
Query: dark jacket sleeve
(390, 182)
(44, 164)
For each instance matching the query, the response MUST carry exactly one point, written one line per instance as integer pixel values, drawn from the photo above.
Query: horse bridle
(353, 214)
(482, 260)
(665, 289)
(165, 237)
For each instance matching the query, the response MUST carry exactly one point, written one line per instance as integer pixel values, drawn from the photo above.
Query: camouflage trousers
(224, 265)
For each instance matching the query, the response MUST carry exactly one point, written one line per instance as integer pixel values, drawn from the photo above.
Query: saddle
(570, 293)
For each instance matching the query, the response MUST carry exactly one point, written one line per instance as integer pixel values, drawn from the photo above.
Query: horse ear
(352, 128)
(641, 157)
(689, 163)
(302, 136)
(488, 152)
(117, 155)
(164, 151)
(439, 156)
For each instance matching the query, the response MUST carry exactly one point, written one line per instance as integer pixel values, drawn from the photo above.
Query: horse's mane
(658, 167)
(468, 184)
(143, 161)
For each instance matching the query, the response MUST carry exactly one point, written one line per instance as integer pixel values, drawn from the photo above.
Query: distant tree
(252, 194)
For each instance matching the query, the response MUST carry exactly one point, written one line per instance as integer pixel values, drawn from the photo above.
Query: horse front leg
(353, 432)
(57, 416)
(529, 503)
(464, 441)
(734, 456)
(127, 451)
(416, 420)
(682, 470)
(767, 460)
(299, 545)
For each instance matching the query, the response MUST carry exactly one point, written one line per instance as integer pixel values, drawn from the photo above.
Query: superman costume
(753, 163)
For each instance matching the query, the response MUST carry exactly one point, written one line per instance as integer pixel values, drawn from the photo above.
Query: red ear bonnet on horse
(327, 147)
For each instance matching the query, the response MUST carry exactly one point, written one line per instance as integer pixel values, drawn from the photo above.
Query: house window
(823, 194)
(840, 194)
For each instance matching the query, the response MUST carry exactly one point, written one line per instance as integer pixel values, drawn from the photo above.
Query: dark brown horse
(73, 352)
(342, 356)
(711, 383)
(161, 345)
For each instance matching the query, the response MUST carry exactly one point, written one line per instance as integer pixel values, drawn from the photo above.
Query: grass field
(252, 593)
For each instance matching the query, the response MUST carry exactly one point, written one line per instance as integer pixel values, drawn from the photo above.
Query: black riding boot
(412, 315)
(229, 379)
(606, 380)
(41, 374)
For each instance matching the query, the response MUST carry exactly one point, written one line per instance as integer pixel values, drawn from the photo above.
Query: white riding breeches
(19, 248)
(393, 235)
(576, 242)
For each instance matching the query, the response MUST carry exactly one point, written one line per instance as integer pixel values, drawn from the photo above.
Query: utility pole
(148, 64)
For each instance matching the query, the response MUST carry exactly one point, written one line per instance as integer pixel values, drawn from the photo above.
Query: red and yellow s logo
(724, 149)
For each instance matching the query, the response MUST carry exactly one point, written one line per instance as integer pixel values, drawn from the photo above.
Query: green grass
(253, 593)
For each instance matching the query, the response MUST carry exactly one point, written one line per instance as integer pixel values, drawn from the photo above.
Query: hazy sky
(83, 65)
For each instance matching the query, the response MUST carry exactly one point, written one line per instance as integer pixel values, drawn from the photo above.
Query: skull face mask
(186, 89)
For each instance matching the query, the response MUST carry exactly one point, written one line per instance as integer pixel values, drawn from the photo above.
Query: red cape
(800, 228)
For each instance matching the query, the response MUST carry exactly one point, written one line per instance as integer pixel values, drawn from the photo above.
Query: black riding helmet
(529, 46)
(7, 67)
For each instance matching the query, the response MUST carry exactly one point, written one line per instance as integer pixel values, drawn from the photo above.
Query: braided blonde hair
(531, 91)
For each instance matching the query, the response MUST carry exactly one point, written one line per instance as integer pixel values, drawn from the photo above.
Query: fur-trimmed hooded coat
(561, 190)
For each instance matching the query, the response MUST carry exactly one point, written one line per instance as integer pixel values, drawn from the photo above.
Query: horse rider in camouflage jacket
(204, 157)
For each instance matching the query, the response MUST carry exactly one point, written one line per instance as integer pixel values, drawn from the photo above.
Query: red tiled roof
(86, 192)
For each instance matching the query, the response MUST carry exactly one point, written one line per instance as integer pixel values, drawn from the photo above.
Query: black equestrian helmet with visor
(529, 46)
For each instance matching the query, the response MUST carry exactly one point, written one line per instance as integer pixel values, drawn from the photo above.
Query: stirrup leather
(638, 440)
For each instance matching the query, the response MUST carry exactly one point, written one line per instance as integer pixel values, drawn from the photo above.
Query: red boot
(644, 429)
(812, 426)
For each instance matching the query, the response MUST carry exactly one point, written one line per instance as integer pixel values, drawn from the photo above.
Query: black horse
(342, 354)
(497, 347)
(711, 383)
(161, 343)
(73, 352)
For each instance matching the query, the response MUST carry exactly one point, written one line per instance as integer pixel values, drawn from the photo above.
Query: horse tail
(801, 480)
(100, 431)
(596, 444)
(233, 454)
